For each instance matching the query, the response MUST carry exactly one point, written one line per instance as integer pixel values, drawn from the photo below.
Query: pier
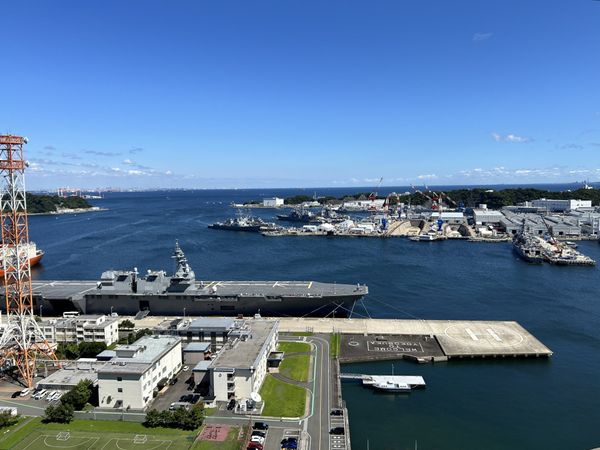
(422, 340)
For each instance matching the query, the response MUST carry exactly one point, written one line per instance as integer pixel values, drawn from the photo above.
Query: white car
(51, 396)
(258, 439)
(25, 392)
(185, 368)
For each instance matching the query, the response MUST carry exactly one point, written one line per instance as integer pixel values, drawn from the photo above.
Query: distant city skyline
(316, 94)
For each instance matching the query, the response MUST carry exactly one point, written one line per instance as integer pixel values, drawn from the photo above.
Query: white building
(241, 366)
(554, 205)
(274, 202)
(87, 328)
(487, 217)
(128, 380)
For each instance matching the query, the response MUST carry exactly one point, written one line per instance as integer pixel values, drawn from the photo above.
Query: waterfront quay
(422, 340)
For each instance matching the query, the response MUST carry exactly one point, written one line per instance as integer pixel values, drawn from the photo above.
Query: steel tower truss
(22, 340)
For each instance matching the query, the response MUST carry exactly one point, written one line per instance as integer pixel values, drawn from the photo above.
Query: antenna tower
(22, 340)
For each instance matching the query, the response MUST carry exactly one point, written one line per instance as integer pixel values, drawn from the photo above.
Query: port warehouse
(127, 377)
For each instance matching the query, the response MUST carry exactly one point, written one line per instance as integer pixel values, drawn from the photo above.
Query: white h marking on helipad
(470, 333)
(493, 334)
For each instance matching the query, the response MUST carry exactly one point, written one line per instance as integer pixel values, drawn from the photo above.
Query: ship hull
(174, 305)
(526, 257)
(251, 228)
(32, 261)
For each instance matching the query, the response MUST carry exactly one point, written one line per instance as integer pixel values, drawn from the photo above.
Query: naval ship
(128, 293)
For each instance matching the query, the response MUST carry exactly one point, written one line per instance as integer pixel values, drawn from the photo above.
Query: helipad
(457, 338)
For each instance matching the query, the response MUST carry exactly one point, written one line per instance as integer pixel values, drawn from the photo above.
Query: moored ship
(243, 223)
(35, 255)
(128, 293)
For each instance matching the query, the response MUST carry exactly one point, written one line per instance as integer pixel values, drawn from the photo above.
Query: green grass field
(295, 367)
(293, 347)
(32, 434)
(282, 399)
(334, 345)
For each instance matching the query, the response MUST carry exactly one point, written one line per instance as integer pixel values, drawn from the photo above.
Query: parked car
(260, 440)
(259, 433)
(260, 426)
(337, 412)
(231, 405)
(16, 394)
(177, 405)
(290, 446)
(25, 392)
(254, 446)
(173, 381)
(195, 398)
(186, 368)
(337, 430)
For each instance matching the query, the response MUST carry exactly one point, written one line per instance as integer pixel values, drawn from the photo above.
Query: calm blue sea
(517, 404)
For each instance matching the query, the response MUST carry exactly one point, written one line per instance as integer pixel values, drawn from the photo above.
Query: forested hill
(37, 204)
(494, 199)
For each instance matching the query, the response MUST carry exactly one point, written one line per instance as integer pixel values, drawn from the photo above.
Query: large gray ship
(128, 293)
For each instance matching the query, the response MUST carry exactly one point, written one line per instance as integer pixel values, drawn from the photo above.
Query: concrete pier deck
(457, 338)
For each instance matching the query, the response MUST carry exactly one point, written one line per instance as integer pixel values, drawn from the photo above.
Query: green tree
(126, 324)
(91, 349)
(153, 419)
(7, 419)
(62, 413)
(79, 395)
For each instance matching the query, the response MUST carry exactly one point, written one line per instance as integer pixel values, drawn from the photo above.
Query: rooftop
(197, 347)
(242, 353)
(213, 322)
(138, 357)
(72, 373)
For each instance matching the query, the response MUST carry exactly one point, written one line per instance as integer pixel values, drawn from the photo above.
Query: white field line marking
(493, 334)
(471, 334)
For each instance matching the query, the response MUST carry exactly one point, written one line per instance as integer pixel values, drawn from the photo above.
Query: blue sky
(303, 93)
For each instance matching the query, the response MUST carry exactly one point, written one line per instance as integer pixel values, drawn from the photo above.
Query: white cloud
(479, 37)
(510, 138)
(427, 177)
(128, 162)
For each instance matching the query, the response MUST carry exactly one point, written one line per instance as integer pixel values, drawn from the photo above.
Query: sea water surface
(474, 404)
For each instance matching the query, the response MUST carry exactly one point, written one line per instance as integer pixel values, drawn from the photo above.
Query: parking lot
(173, 392)
(26, 405)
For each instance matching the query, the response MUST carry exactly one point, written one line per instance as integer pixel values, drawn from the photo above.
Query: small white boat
(390, 386)
(571, 244)
(424, 238)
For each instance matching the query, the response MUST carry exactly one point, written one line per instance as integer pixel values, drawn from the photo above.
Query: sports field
(41, 438)
(99, 435)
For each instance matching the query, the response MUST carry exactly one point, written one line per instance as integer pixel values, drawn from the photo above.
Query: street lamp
(184, 313)
(111, 310)
(41, 307)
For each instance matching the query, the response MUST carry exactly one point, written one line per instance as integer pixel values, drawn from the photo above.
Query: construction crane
(22, 340)
(373, 195)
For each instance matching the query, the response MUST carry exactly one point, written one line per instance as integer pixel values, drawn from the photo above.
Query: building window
(120, 390)
(119, 378)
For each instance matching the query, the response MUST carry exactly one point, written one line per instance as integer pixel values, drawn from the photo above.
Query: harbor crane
(373, 195)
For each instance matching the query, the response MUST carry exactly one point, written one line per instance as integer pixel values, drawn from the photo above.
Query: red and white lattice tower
(22, 340)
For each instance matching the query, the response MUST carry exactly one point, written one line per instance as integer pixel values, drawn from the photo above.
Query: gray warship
(128, 293)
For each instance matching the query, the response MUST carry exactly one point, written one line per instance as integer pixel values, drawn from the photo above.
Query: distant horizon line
(370, 188)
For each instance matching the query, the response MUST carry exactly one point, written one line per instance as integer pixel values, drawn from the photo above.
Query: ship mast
(22, 340)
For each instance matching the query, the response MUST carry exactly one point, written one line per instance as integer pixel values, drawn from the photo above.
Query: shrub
(62, 413)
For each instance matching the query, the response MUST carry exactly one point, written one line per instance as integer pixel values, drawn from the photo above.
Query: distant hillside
(37, 204)
(495, 199)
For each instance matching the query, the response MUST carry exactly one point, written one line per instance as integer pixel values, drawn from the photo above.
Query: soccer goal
(140, 439)
(63, 436)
